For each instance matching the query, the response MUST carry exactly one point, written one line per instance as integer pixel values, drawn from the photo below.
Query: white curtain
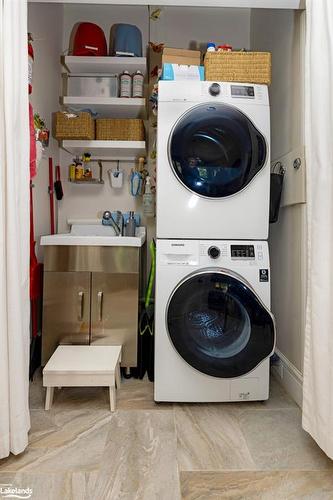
(14, 228)
(318, 357)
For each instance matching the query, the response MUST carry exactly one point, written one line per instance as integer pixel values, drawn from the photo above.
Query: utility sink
(95, 235)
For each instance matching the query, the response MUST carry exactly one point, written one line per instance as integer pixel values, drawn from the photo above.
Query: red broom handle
(51, 195)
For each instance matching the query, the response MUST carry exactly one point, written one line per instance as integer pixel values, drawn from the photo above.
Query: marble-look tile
(292, 485)
(88, 398)
(209, 438)
(56, 428)
(133, 394)
(278, 399)
(138, 395)
(139, 462)
(37, 391)
(14, 463)
(82, 453)
(67, 486)
(277, 441)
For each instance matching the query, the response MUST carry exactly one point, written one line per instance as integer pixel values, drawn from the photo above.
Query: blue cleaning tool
(136, 183)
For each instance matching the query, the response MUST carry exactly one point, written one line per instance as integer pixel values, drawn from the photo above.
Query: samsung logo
(177, 244)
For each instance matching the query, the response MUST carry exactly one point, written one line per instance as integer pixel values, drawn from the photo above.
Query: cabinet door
(114, 312)
(66, 310)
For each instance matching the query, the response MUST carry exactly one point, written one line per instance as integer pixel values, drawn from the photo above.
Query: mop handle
(51, 195)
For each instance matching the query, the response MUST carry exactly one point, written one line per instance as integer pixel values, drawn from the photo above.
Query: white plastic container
(92, 85)
(116, 178)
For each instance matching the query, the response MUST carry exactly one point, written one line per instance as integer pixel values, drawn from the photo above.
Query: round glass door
(215, 150)
(218, 325)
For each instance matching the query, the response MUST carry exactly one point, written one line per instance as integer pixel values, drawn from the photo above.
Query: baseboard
(289, 377)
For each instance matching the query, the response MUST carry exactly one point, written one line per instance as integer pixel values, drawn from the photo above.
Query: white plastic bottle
(125, 84)
(138, 84)
(148, 200)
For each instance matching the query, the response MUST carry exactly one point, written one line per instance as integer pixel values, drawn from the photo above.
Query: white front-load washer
(213, 160)
(214, 332)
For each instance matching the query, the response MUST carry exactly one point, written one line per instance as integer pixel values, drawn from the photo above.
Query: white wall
(45, 24)
(182, 27)
(280, 33)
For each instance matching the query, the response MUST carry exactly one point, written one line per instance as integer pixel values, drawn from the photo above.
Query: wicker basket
(69, 126)
(111, 129)
(243, 67)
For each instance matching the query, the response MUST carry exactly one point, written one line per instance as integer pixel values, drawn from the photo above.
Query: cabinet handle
(80, 306)
(100, 305)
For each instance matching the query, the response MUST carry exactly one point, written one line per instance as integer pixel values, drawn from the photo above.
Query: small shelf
(106, 107)
(105, 65)
(90, 181)
(117, 150)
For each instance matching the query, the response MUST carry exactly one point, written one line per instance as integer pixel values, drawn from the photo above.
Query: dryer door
(218, 324)
(215, 150)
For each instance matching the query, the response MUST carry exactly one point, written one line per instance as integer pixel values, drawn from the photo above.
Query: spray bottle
(148, 200)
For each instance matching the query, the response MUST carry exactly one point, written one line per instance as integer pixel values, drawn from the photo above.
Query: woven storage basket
(243, 67)
(80, 126)
(119, 129)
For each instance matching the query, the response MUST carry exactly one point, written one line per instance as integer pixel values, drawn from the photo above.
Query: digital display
(242, 252)
(242, 91)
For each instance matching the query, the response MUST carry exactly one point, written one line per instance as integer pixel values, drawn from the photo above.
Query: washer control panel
(213, 253)
(242, 252)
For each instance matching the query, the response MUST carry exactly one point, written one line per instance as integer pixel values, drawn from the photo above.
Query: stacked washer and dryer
(214, 332)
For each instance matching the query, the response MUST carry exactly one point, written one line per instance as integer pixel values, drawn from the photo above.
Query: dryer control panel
(242, 252)
(246, 91)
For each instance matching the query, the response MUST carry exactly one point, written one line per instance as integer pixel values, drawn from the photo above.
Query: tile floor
(148, 451)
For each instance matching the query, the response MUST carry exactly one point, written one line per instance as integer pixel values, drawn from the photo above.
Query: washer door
(218, 324)
(215, 150)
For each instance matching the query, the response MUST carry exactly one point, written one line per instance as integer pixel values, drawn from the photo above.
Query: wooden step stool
(83, 366)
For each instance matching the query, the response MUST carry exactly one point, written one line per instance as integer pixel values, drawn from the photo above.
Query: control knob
(214, 252)
(214, 89)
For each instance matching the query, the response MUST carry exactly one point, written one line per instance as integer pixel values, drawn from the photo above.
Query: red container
(89, 40)
(224, 48)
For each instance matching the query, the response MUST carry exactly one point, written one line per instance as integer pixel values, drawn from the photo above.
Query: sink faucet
(117, 223)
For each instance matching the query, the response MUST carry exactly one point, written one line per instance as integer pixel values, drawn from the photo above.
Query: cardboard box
(181, 56)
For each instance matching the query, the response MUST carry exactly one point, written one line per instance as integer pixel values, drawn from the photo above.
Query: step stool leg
(118, 376)
(49, 397)
(112, 390)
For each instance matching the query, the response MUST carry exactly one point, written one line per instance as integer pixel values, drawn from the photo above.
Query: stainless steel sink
(95, 235)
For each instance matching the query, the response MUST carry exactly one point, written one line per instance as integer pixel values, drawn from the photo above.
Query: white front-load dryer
(213, 160)
(214, 332)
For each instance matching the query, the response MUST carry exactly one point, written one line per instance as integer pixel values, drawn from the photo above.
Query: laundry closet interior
(279, 29)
